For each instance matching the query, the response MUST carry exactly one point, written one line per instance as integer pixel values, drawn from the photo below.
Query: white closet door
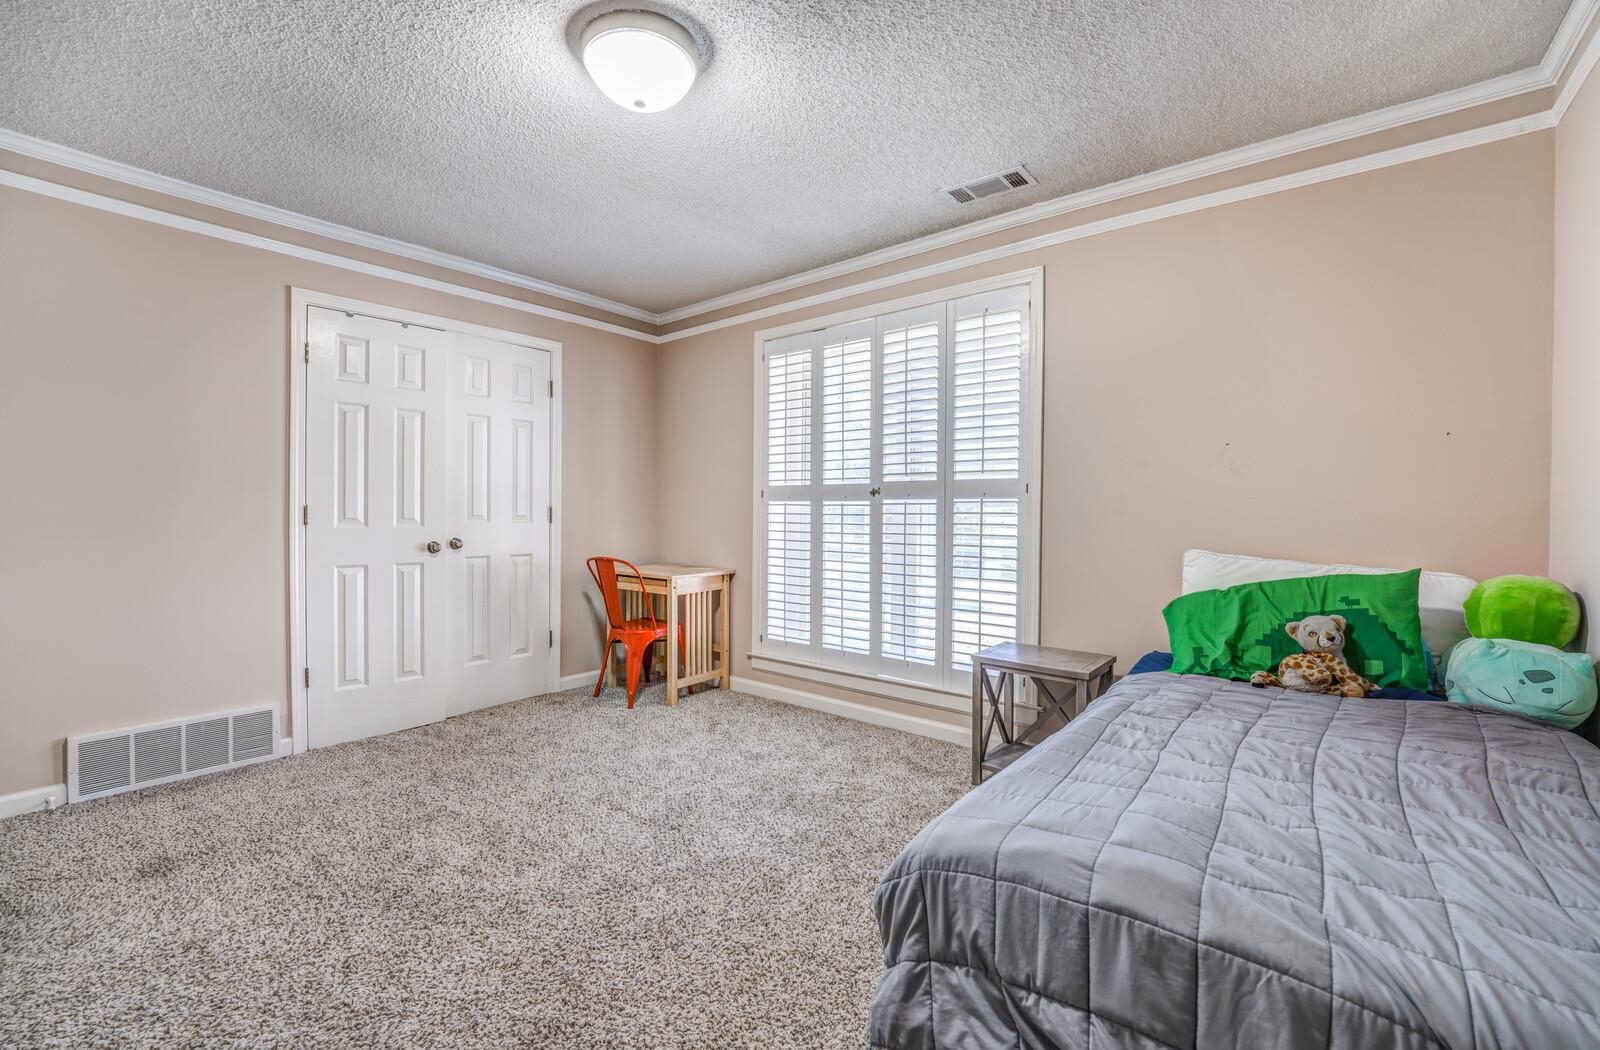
(375, 486)
(499, 505)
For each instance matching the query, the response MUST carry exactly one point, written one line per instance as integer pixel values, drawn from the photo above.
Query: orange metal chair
(636, 636)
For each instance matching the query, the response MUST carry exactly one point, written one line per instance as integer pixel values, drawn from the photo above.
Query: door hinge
(552, 388)
(307, 678)
(308, 351)
(552, 643)
(305, 514)
(550, 515)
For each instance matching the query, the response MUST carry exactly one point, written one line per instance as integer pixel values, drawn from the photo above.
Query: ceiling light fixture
(643, 61)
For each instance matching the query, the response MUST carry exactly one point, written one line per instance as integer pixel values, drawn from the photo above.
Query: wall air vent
(101, 764)
(989, 185)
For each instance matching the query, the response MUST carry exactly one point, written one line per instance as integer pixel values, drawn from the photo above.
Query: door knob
(455, 543)
(434, 547)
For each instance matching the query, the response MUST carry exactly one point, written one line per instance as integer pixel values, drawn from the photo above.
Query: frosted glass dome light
(643, 61)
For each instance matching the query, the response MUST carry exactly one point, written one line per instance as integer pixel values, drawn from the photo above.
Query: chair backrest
(604, 571)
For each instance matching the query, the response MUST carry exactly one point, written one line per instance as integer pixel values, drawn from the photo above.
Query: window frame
(945, 687)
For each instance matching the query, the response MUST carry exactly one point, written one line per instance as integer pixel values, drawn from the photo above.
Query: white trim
(54, 796)
(301, 299)
(33, 800)
(861, 682)
(773, 660)
(1568, 35)
(581, 680)
(129, 175)
(953, 734)
(1511, 85)
(28, 183)
(1543, 76)
(1581, 67)
(1541, 121)
(1558, 56)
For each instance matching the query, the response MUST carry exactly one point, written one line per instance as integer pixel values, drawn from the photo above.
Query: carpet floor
(558, 872)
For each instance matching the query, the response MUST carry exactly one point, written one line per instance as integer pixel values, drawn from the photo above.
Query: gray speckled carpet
(558, 872)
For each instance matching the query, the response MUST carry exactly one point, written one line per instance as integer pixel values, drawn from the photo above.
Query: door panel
(375, 462)
(499, 497)
(415, 435)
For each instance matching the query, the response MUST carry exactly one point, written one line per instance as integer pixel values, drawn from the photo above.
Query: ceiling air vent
(989, 185)
(102, 764)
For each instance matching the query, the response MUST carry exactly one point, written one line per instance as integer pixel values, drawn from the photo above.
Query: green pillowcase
(1235, 631)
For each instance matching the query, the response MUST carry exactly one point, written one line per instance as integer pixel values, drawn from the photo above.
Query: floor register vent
(101, 764)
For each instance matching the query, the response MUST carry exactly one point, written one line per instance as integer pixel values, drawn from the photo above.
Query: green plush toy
(1523, 609)
(1523, 678)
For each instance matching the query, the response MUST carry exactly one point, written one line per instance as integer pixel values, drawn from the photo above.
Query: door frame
(300, 300)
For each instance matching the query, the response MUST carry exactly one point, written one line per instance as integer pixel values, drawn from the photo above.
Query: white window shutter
(984, 584)
(911, 397)
(788, 572)
(897, 506)
(986, 435)
(847, 576)
(847, 411)
(789, 417)
(910, 581)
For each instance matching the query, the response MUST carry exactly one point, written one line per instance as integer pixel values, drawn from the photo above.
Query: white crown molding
(1560, 58)
(117, 206)
(1538, 78)
(129, 175)
(1541, 121)
(1581, 66)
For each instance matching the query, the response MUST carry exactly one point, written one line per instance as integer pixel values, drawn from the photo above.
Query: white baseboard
(33, 800)
(582, 678)
(955, 734)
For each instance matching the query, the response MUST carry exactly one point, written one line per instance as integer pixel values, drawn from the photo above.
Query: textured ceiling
(820, 129)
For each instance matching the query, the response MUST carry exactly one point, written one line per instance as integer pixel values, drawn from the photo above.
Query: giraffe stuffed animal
(1321, 667)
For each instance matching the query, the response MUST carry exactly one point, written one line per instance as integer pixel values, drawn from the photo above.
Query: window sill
(874, 685)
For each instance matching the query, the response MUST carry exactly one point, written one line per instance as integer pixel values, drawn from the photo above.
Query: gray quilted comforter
(1196, 863)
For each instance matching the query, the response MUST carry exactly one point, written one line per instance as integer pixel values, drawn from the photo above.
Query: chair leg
(635, 665)
(605, 658)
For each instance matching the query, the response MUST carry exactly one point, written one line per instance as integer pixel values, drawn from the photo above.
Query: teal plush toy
(1523, 609)
(1523, 678)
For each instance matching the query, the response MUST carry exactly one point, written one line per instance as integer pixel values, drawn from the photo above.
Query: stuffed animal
(1321, 667)
(1525, 678)
(1513, 662)
(1523, 609)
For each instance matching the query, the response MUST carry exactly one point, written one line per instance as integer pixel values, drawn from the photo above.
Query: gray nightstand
(1089, 675)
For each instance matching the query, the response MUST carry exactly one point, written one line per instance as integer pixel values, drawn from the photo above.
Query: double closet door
(427, 525)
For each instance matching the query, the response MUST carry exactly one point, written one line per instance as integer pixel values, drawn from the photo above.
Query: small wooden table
(698, 597)
(1089, 674)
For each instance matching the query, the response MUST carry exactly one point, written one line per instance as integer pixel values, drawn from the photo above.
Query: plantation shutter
(789, 412)
(895, 499)
(987, 486)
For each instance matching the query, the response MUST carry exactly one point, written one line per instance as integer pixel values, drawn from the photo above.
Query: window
(895, 515)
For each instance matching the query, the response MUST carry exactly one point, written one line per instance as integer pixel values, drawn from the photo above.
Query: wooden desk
(698, 597)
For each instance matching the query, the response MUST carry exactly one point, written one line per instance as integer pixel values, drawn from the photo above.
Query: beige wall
(1358, 370)
(1353, 371)
(143, 420)
(1575, 402)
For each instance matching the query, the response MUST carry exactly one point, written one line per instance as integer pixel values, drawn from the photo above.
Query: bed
(1194, 862)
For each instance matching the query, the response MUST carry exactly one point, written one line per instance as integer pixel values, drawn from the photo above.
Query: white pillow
(1440, 595)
